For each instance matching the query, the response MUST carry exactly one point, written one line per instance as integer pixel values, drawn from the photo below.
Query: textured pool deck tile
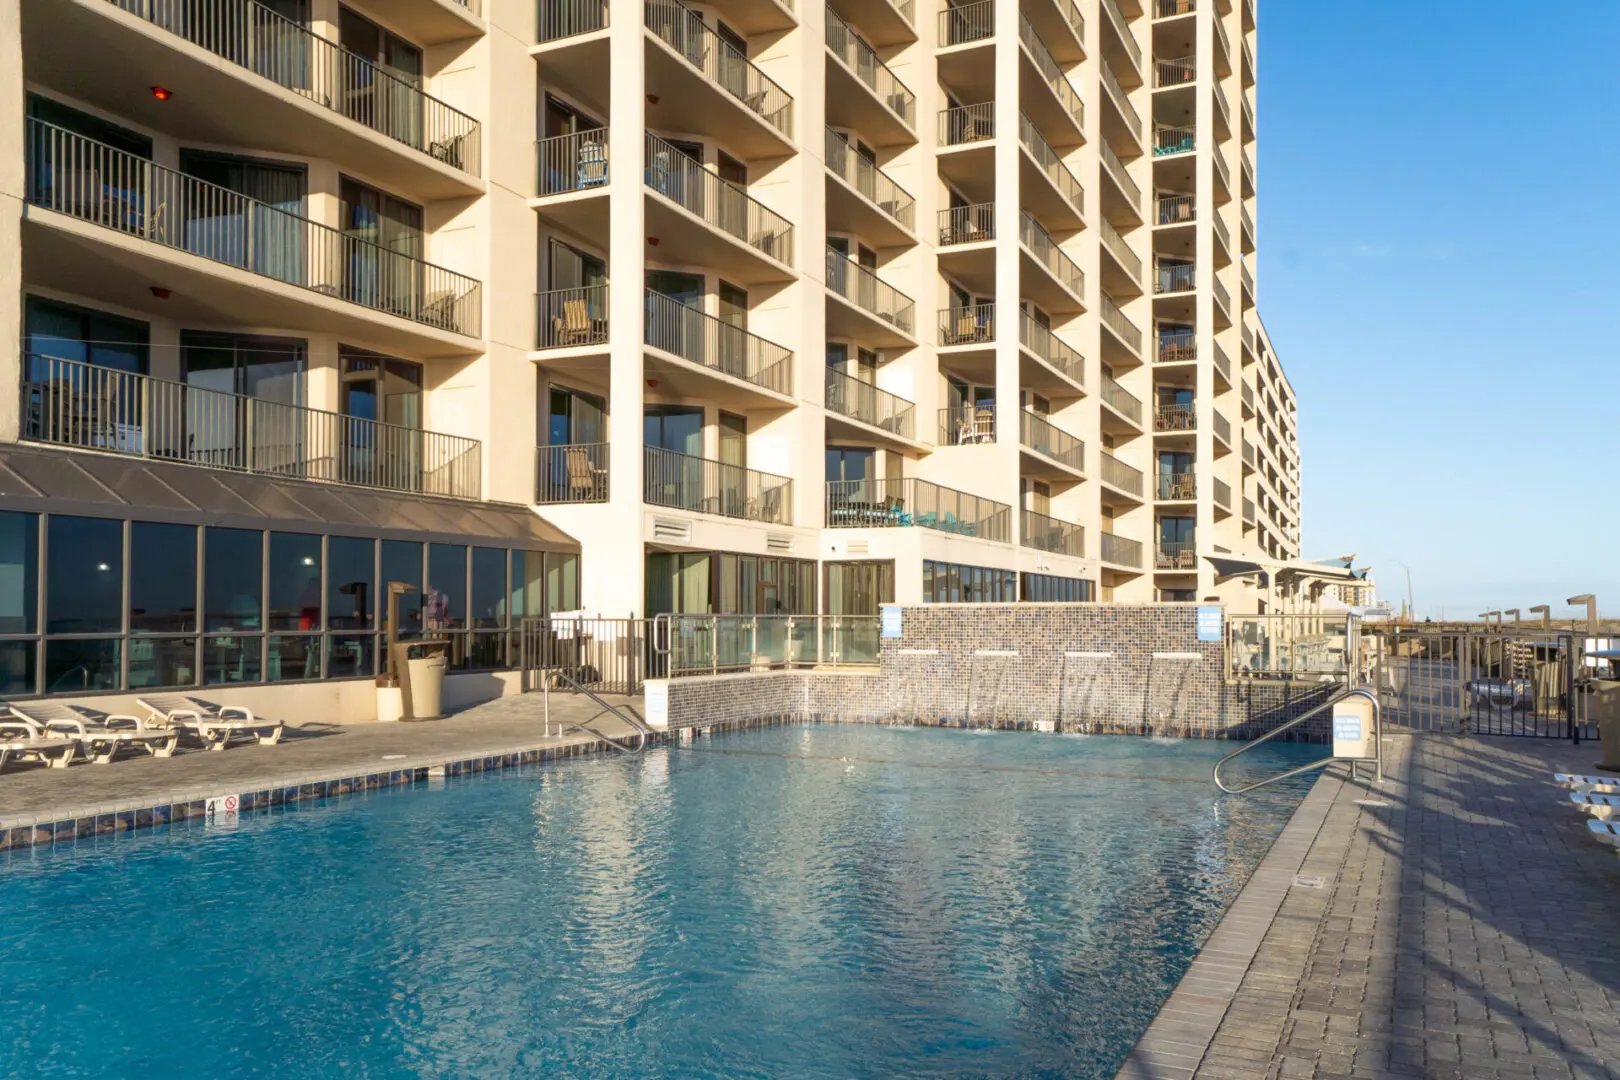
(1466, 928)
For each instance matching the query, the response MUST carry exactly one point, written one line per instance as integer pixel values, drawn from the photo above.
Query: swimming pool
(816, 901)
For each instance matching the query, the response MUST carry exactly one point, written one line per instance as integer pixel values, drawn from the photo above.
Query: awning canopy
(1264, 570)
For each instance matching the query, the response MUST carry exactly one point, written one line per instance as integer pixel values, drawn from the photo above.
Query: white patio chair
(101, 735)
(24, 740)
(214, 725)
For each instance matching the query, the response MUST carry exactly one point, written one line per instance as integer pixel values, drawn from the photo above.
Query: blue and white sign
(1209, 622)
(1346, 728)
(890, 621)
(1354, 729)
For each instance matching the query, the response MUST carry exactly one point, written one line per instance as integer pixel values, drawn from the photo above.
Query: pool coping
(1175, 1043)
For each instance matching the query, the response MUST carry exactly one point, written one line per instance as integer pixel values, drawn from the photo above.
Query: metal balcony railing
(1248, 112)
(1247, 278)
(720, 62)
(1248, 172)
(1052, 165)
(567, 318)
(1121, 400)
(1041, 245)
(1223, 45)
(1222, 173)
(967, 324)
(575, 473)
(1048, 67)
(575, 162)
(1045, 533)
(89, 407)
(1116, 169)
(1175, 416)
(910, 503)
(1248, 340)
(1166, 9)
(967, 23)
(1248, 452)
(1115, 320)
(967, 124)
(967, 224)
(705, 486)
(1120, 250)
(569, 18)
(1248, 511)
(861, 59)
(1222, 108)
(1177, 346)
(871, 182)
(1222, 237)
(1121, 551)
(1124, 31)
(700, 338)
(1173, 140)
(1177, 555)
(849, 396)
(252, 36)
(1071, 15)
(1039, 434)
(966, 424)
(1222, 299)
(867, 291)
(1222, 427)
(1120, 475)
(1176, 72)
(1049, 347)
(1175, 209)
(1246, 393)
(1248, 227)
(718, 202)
(1171, 277)
(93, 182)
(1111, 83)
(1177, 485)
(1223, 494)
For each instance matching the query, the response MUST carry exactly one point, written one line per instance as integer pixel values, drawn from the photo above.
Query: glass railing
(1248, 226)
(1047, 439)
(1120, 475)
(966, 23)
(90, 407)
(567, 318)
(1115, 320)
(711, 644)
(967, 324)
(1121, 400)
(575, 473)
(1048, 67)
(863, 288)
(1041, 245)
(1124, 31)
(1248, 340)
(849, 396)
(967, 224)
(1175, 416)
(1178, 345)
(871, 182)
(967, 424)
(1120, 250)
(1117, 92)
(1247, 278)
(702, 485)
(576, 162)
(1174, 277)
(967, 124)
(1121, 551)
(910, 503)
(252, 36)
(862, 61)
(1071, 15)
(93, 182)
(1173, 140)
(1116, 169)
(1052, 165)
(700, 338)
(1048, 346)
(718, 202)
(1175, 72)
(1045, 533)
(1248, 172)
(719, 61)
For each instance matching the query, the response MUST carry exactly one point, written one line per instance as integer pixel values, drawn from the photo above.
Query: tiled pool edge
(1175, 1043)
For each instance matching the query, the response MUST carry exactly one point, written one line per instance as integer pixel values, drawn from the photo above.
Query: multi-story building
(753, 306)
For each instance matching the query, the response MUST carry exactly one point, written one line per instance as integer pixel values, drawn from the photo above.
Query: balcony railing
(1248, 172)
(1052, 165)
(568, 318)
(1166, 9)
(1177, 555)
(967, 224)
(575, 473)
(1222, 173)
(1121, 400)
(1223, 45)
(862, 61)
(1117, 92)
(1117, 247)
(973, 324)
(1223, 366)
(1172, 277)
(254, 37)
(576, 162)
(967, 23)
(1248, 452)
(1115, 320)
(870, 181)
(967, 124)
(1175, 416)
(1044, 533)
(1042, 436)
(718, 202)
(967, 425)
(1222, 237)
(88, 407)
(1121, 551)
(1175, 209)
(867, 291)
(1177, 346)
(1248, 112)
(1222, 427)
(1223, 494)
(1173, 140)
(1248, 340)
(1246, 393)
(93, 182)
(720, 62)
(700, 338)
(704, 486)
(1176, 72)
(1124, 31)
(1177, 485)
(910, 503)
(1041, 245)
(1248, 226)
(1071, 15)
(569, 18)
(1120, 475)
(1223, 108)
(1222, 298)
(1248, 511)
(1048, 67)
(849, 396)
(1247, 278)
(1048, 346)
(1116, 169)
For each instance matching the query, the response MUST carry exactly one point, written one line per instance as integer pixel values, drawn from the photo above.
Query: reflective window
(17, 673)
(444, 601)
(233, 659)
(402, 561)
(487, 609)
(19, 573)
(528, 583)
(159, 662)
(233, 576)
(350, 583)
(77, 665)
(562, 582)
(85, 593)
(162, 581)
(291, 657)
(295, 581)
(350, 656)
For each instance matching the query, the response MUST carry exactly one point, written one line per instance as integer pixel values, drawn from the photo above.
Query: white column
(1000, 479)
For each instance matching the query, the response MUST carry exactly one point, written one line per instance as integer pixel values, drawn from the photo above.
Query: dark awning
(1230, 568)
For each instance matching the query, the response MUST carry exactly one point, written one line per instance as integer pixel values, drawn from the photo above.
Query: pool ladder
(636, 726)
(1378, 742)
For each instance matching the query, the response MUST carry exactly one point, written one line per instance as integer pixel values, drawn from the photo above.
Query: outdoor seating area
(892, 514)
(55, 734)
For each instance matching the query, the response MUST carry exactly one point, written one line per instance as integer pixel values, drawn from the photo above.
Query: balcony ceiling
(583, 214)
(682, 379)
(844, 429)
(1037, 283)
(972, 266)
(1042, 198)
(576, 64)
(849, 212)
(846, 320)
(685, 238)
(433, 22)
(93, 51)
(1040, 103)
(878, 21)
(750, 17)
(853, 104)
(691, 103)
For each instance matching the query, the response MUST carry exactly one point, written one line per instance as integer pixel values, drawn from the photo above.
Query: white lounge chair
(101, 735)
(1606, 831)
(25, 740)
(1599, 806)
(214, 725)
(1581, 782)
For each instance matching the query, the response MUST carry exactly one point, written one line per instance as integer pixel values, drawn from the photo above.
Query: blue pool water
(802, 902)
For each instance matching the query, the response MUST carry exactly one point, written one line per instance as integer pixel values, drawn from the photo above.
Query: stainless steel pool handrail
(1378, 743)
(578, 687)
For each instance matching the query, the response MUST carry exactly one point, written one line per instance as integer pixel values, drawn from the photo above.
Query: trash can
(420, 668)
(1603, 707)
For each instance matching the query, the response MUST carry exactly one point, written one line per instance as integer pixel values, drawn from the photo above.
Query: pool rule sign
(1354, 730)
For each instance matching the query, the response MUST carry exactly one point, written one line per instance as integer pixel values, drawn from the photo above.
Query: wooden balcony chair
(593, 166)
(984, 425)
(586, 481)
(573, 327)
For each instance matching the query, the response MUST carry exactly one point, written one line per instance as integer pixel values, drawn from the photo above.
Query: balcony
(1044, 533)
(1248, 114)
(1175, 209)
(1248, 454)
(88, 407)
(1223, 495)
(1223, 241)
(1116, 474)
(1129, 262)
(967, 425)
(1061, 26)
(142, 211)
(1041, 436)
(572, 163)
(704, 486)
(1180, 71)
(862, 402)
(1121, 551)
(1062, 110)
(1176, 555)
(1223, 113)
(1169, 9)
(1248, 63)
(574, 473)
(1223, 302)
(867, 308)
(1222, 429)
(1248, 174)
(1122, 103)
(698, 338)
(1246, 393)
(884, 210)
(559, 19)
(1174, 277)
(1121, 327)
(728, 86)
(1175, 417)
(862, 93)
(1051, 350)
(1223, 190)
(1170, 140)
(572, 318)
(967, 23)
(1248, 511)
(973, 224)
(1222, 59)
(1038, 243)
(1115, 170)
(883, 22)
(1177, 485)
(1122, 401)
(910, 503)
(1248, 345)
(1247, 278)
(1069, 206)
(964, 325)
(1247, 232)
(967, 124)
(1122, 31)
(712, 221)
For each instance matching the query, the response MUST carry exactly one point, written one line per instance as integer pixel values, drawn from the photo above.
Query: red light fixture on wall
(162, 93)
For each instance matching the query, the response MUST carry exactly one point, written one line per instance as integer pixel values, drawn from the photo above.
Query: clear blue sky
(1438, 209)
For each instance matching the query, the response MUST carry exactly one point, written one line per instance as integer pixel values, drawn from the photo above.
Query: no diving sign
(223, 809)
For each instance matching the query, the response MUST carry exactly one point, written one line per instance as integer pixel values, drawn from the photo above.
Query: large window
(1050, 589)
(954, 583)
(721, 583)
(858, 588)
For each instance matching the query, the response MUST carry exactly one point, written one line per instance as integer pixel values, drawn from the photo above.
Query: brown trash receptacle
(1603, 707)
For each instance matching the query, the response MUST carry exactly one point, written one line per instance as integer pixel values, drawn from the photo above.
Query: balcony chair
(984, 425)
(966, 331)
(593, 166)
(574, 326)
(586, 480)
(448, 151)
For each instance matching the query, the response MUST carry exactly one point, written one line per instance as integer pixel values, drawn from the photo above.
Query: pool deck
(1455, 922)
(309, 754)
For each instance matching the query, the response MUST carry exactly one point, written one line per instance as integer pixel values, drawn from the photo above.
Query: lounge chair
(101, 735)
(1601, 807)
(1606, 831)
(1581, 782)
(214, 725)
(25, 740)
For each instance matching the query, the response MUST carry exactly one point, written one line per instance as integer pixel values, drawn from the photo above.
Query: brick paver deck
(1465, 926)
